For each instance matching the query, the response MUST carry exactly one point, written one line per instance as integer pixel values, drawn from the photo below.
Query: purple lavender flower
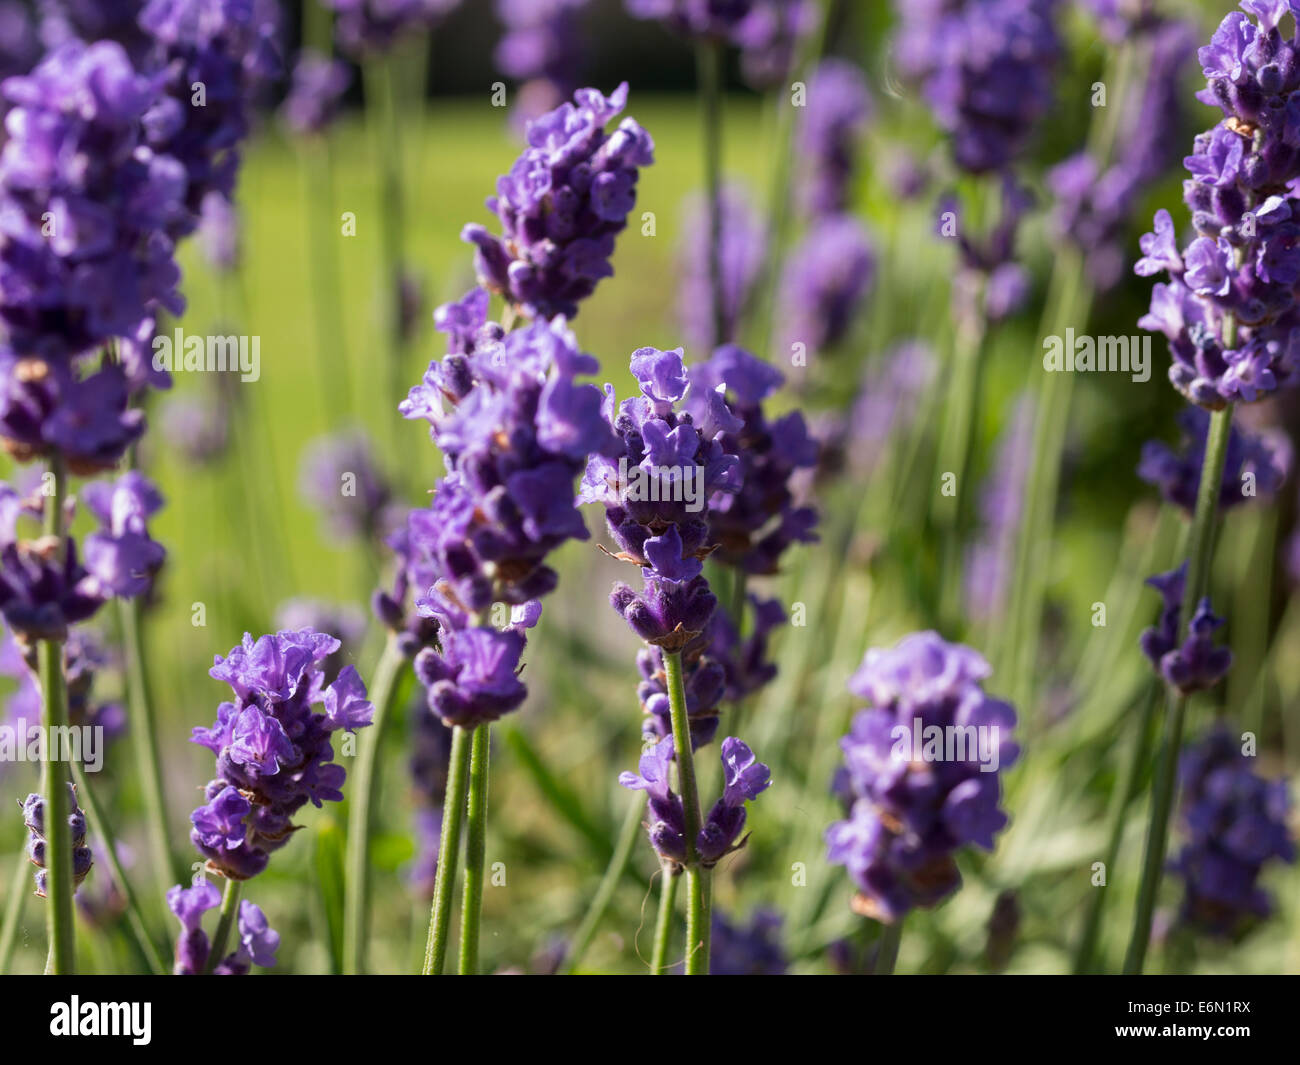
(345, 621)
(835, 116)
(33, 808)
(50, 408)
(366, 27)
(515, 439)
(1093, 208)
(1244, 262)
(1196, 663)
(474, 676)
(84, 257)
(219, 49)
(274, 754)
(198, 425)
(121, 558)
(744, 779)
(826, 281)
(985, 68)
(668, 471)
(342, 480)
(753, 526)
(742, 249)
(42, 590)
(561, 206)
(738, 949)
(1236, 823)
(542, 49)
(84, 659)
(991, 557)
(913, 809)
(990, 285)
(256, 943)
(1256, 465)
(315, 93)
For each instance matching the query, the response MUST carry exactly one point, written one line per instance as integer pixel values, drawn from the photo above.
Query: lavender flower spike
(256, 942)
(920, 774)
(561, 206)
(274, 753)
(33, 808)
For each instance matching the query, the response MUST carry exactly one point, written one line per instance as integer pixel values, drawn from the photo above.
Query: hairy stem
(471, 909)
(1200, 555)
(144, 737)
(453, 812)
(664, 922)
(54, 776)
(225, 922)
(99, 825)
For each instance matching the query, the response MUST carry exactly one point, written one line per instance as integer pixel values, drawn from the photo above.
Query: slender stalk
(697, 878)
(618, 864)
(471, 907)
(1121, 800)
(699, 918)
(104, 832)
(1200, 554)
(225, 922)
(54, 779)
(664, 923)
(14, 903)
(144, 738)
(382, 92)
(708, 64)
(453, 811)
(356, 910)
(956, 443)
(887, 949)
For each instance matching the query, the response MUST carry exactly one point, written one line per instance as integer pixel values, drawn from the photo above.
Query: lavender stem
(664, 922)
(356, 910)
(100, 827)
(226, 921)
(14, 902)
(697, 878)
(471, 909)
(1200, 555)
(144, 733)
(453, 812)
(54, 718)
(887, 949)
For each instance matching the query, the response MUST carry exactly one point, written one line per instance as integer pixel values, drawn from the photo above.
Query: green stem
(226, 921)
(356, 912)
(1200, 555)
(14, 910)
(697, 877)
(708, 62)
(103, 831)
(54, 780)
(144, 734)
(887, 949)
(471, 909)
(453, 812)
(1121, 800)
(699, 913)
(664, 923)
(618, 864)
(381, 88)
(956, 443)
